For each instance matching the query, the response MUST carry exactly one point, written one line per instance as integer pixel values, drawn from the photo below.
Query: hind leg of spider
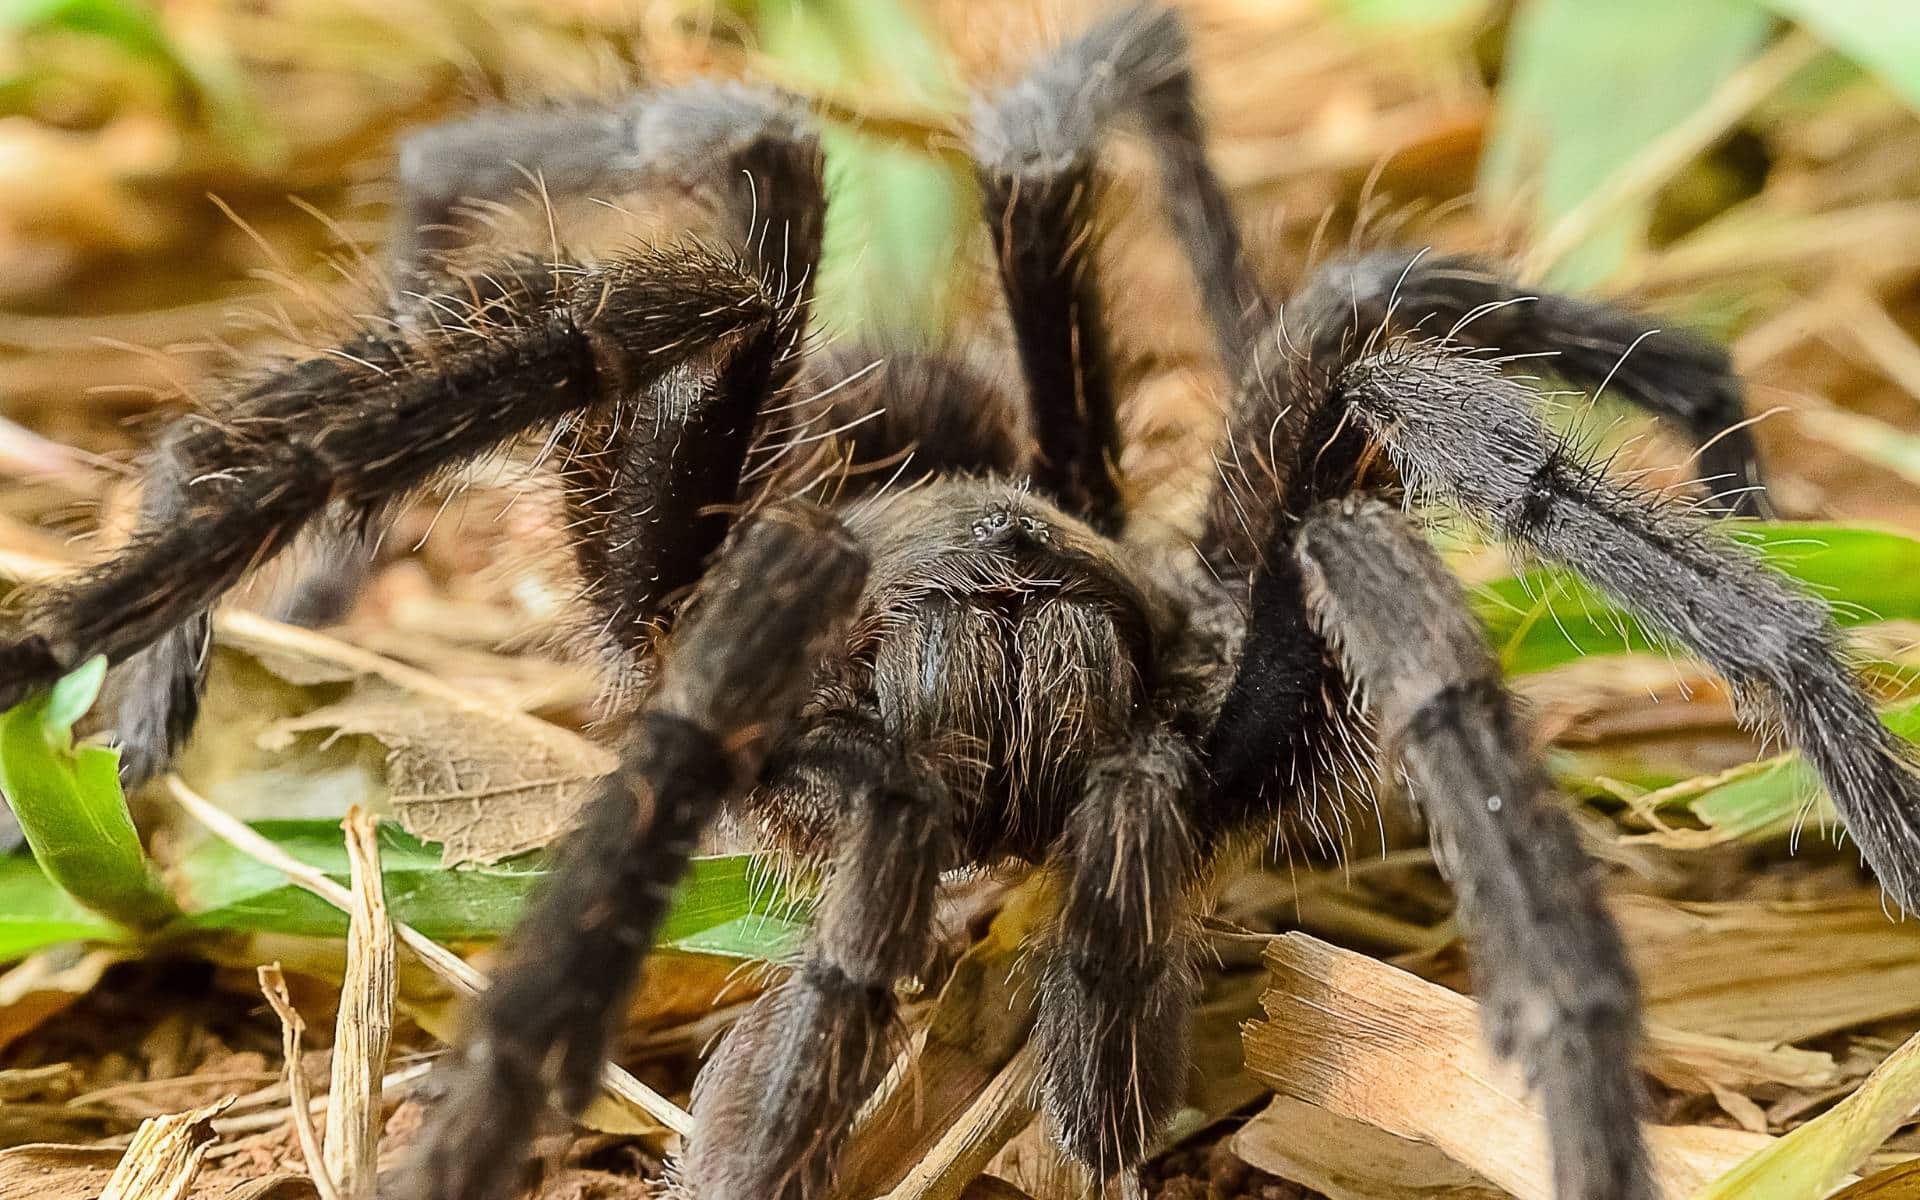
(1116, 980)
(1459, 430)
(1035, 145)
(1680, 376)
(733, 673)
(1557, 992)
(367, 432)
(774, 1104)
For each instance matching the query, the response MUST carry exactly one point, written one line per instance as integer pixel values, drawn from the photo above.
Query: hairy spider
(972, 654)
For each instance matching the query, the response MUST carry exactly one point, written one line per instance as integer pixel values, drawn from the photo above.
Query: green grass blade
(1811, 1161)
(1587, 86)
(35, 913)
(1544, 618)
(727, 904)
(68, 801)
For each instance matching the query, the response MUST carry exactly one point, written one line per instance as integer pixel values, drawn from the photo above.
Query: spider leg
(1558, 993)
(775, 1102)
(1680, 376)
(1458, 429)
(365, 432)
(907, 415)
(1116, 980)
(1034, 147)
(734, 671)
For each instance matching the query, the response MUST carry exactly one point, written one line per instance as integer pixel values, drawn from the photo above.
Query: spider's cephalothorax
(968, 651)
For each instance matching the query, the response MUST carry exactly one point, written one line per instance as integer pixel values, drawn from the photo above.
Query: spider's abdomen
(1003, 643)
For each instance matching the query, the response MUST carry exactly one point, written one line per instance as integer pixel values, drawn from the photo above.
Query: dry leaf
(45, 984)
(485, 783)
(1351, 1160)
(1894, 1183)
(1818, 1156)
(1372, 1043)
(57, 1172)
(1830, 965)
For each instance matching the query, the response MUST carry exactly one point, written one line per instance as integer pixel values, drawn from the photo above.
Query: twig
(622, 1087)
(364, 1028)
(273, 984)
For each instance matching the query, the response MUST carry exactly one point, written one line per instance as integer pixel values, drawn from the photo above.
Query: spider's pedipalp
(1459, 430)
(1116, 982)
(775, 1102)
(1671, 373)
(1556, 989)
(735, 669)
(362, 430)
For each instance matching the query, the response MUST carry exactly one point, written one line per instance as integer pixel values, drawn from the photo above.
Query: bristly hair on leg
(1460, 431)
(1557, 991)
(775, 601)
(1676, 375)
(361, 434)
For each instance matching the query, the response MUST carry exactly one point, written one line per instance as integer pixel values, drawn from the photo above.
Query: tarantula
(972, 654)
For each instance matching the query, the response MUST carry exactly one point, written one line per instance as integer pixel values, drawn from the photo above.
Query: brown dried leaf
(1823, 965)
(57, 1172)
(485, 781)
(1351, 1160)
(1894, 1183)
(1369, 1042)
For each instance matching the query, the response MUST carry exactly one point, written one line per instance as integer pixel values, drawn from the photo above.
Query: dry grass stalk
(618, 1086)
(165, 1156)
(365, 1024)
(970, 1143)
(273, 985)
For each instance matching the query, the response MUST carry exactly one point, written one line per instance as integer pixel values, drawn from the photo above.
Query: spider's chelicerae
(970, 653)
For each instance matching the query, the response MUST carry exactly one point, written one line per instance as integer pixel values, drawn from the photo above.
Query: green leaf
(35, 913)
(1770, 799)
(137, 30)
(67, 799)
(1811, 1161)
(1544, 618)
(1882, 35)
(720, 901)
(896, 219)
(1587, 86)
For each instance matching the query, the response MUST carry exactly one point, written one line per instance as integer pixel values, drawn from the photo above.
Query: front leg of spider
(1458, 430)
(1557, 993)
(733, 672)
(361, 434)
